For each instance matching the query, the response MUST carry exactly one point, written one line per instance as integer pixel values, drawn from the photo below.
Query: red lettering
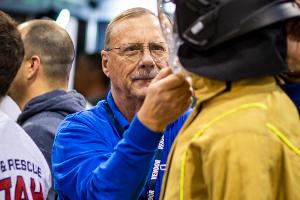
(36, 195)
(5, 184)
(20, 189)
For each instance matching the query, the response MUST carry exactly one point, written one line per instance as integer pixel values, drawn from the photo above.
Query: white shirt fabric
(24, 171)
(9, 107)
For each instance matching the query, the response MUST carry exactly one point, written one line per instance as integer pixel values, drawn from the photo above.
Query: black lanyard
(156, 168)
(158, 155)
(113, 119)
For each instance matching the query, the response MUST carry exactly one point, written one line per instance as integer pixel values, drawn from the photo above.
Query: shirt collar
(119, 116)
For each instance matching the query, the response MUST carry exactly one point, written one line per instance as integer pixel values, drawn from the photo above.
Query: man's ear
(104, 55)
(34, 64)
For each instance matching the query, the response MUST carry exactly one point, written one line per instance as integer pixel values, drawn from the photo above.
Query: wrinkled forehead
(141, 29)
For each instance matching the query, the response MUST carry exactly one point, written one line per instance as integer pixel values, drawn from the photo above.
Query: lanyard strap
(113, 119)
(156, 168)
(157, 158)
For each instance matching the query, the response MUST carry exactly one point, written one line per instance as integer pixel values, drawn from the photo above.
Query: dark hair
(11, 51)
(54, 47)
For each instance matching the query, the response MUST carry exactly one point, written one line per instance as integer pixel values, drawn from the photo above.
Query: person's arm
(87, 166)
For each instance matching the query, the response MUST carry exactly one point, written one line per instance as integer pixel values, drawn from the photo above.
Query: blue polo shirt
(91, 160)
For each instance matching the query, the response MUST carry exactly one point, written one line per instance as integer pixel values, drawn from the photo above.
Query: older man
(108, 151)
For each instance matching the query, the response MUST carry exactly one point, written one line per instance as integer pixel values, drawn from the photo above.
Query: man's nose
(146, 59)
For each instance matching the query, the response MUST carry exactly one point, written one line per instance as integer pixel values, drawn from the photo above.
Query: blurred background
(86, 21)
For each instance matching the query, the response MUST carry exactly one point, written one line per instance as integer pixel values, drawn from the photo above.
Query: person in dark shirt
(40, 87)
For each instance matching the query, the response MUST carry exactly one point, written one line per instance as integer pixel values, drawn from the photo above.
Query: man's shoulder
(42, 123)
(11, 133)
(21, 157)
(8, 125)
(56, 104)
(94, 117)
(42, 117)
(92, 114)
(10, 142)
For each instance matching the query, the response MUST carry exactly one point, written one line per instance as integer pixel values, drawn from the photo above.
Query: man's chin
(140, 88)
(139, 93)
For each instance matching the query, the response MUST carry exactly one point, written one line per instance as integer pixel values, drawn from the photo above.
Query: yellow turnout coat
(240, 143)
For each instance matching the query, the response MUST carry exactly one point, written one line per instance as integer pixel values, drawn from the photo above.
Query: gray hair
(130, 13)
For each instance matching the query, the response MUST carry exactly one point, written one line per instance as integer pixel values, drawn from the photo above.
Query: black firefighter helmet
(233, 39)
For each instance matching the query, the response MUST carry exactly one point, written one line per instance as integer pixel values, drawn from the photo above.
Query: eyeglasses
(134, 51)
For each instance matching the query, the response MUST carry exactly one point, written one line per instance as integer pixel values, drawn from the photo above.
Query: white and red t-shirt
(24, 172)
